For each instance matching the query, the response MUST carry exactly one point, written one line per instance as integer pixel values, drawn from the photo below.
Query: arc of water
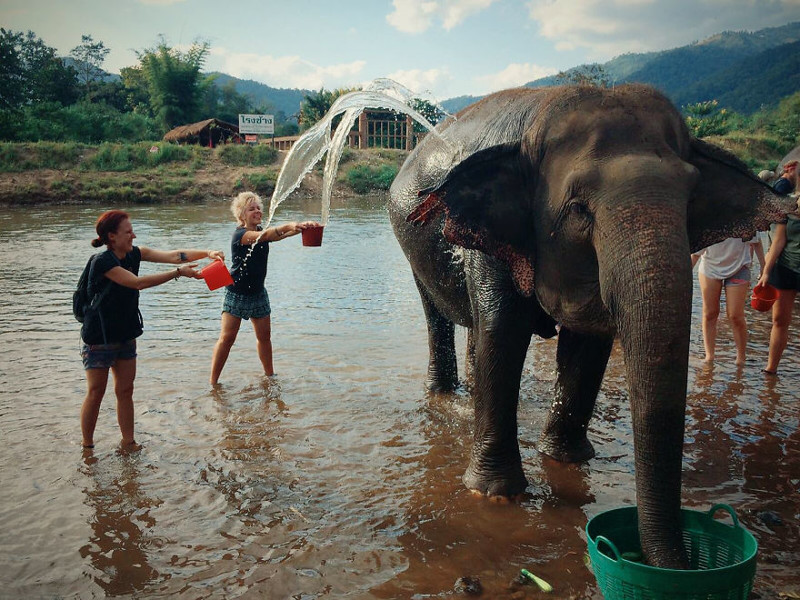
(312, 145)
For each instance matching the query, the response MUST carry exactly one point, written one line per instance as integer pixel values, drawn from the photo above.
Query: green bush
(261, 183)
(54, 155)
(168, 153)
(243, 155)
(364, 178)
(113, 157)
(10, 160)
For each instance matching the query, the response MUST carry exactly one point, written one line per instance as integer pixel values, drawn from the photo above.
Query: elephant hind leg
(581, 363)
(442, 365)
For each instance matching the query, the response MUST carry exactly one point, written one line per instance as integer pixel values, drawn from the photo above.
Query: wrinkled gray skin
(576, 205)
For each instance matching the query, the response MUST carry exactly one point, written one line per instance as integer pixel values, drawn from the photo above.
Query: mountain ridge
(679, 72)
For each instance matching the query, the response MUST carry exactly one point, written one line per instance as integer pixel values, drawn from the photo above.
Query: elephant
(571, 211)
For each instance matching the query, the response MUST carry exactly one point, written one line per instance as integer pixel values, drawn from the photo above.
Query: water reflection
(121, 524)
(340, 477)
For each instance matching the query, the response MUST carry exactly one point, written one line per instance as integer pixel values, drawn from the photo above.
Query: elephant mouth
(590, 316)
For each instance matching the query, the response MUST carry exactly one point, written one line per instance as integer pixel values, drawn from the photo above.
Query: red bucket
(763, 297)
(216, 275)
(312, 236)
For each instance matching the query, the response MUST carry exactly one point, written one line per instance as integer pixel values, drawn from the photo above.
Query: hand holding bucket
(764, 297)
(312, 236)
(216, 275)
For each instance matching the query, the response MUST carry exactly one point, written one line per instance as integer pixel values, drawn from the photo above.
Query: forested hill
(742, 70)
(750, 83)
(275, 99)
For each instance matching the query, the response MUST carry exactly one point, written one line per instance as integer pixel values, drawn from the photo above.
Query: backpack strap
(94, 303)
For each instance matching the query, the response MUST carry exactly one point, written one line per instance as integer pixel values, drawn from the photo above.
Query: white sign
(256, 124)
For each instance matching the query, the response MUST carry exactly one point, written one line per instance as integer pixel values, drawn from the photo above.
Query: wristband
(177, 273)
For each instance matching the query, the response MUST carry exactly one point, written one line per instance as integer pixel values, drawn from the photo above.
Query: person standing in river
(726, 266)
(246, 297)
(782, 268)
(109, 332)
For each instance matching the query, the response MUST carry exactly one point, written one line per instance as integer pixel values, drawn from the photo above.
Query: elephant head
(594, 199)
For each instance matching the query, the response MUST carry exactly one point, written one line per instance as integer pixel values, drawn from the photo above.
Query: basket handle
(610, 544)
(727, 509)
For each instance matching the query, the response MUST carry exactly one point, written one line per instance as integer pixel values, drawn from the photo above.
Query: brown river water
(340, 477)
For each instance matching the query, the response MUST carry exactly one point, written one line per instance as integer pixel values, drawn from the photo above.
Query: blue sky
(440, 48)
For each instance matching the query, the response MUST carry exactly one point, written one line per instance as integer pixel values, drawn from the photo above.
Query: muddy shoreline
(169, 184)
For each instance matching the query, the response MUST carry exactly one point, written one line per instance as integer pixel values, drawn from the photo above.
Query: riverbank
(72, 174)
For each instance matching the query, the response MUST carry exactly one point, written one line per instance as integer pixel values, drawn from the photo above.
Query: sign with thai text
(256, 124)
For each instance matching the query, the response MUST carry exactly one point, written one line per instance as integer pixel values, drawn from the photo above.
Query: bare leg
(229, 328)
(779, 336)
(735, 299)
(711, 290)
(96, 381)
(263, 331)
(124, 374)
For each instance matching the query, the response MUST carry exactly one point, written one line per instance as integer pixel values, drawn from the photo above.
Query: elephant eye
(576, 208)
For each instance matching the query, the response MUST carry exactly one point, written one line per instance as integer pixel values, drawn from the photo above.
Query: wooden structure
(372, 130)
(211, 133)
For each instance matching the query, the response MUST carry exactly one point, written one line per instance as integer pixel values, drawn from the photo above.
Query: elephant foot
(568, 451)
(441, 383)
(497, 486)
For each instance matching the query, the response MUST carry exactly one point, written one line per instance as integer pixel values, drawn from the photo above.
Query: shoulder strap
(98, 297)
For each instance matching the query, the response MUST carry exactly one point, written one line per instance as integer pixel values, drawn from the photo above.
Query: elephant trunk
(646, 282)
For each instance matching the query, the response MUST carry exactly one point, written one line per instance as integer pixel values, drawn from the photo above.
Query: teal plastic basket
(722, 558)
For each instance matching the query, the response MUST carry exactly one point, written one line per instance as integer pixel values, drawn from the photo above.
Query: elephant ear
(729, 201)
(484, 207)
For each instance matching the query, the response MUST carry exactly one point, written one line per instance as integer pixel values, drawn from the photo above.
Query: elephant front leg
(442, 364)
(495, 467)
(581, 363)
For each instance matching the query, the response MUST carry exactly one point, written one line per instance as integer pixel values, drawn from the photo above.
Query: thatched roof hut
(210, 132)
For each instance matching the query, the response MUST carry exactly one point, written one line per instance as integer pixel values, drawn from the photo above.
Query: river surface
(340, 477)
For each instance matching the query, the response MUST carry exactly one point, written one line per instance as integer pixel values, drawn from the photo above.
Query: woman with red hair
(111, 327)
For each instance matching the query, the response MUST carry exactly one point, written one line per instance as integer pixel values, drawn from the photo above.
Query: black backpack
(81, 301)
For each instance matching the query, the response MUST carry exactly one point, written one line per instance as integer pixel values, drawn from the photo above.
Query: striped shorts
(246, 306)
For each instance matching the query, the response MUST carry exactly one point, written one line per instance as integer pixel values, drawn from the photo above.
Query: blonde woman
(247, 298)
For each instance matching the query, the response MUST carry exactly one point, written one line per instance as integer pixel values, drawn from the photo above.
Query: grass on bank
(157, 171)
(17, 157)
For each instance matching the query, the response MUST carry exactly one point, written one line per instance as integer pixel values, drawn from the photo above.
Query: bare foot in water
(127, 448)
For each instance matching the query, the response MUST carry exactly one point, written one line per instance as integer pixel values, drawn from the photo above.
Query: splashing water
(314, 143)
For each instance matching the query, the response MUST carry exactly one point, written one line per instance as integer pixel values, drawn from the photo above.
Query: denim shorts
(103, 356)
(741, 277)
(246, 306)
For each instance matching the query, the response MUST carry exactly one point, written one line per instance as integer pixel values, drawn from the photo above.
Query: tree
(585, 75)
(706, 118)
(89, 57)
(137, 95)
(12, 71)
(224, 102)
(174, 82)
(784, 122)
(430, 111)
(314, 106)
(30, 73)
(47, 78)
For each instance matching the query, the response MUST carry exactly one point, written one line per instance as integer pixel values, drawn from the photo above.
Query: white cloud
(422, 82)
(416, 16)
(285, 71)
(514, 75)
(608, 28)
